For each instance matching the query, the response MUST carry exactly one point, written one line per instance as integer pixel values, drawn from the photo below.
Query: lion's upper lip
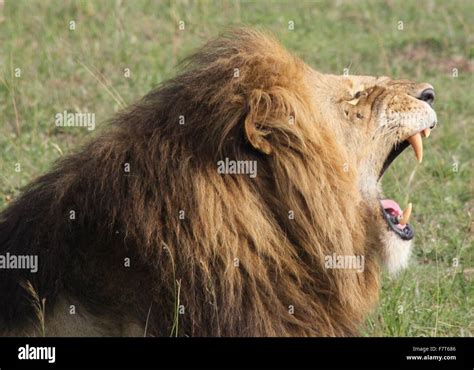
(413, 140)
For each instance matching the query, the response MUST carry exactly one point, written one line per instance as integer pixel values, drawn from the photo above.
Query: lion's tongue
(393, 209)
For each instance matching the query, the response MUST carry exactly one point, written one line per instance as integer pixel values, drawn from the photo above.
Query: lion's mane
(226, 255)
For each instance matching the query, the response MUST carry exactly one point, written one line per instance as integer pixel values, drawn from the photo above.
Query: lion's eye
(357, 94)
(359, 115)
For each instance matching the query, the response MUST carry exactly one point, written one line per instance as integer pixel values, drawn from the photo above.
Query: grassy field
(46, 67)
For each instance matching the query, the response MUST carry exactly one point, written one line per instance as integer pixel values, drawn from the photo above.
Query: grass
(83, 70)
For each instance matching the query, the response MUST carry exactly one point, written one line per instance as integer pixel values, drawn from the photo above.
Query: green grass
(82, 70)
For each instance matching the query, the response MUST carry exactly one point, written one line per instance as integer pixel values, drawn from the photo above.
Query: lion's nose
(427, 95)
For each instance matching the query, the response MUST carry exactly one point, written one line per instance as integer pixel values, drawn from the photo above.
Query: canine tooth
(415, 142)
(426, 132)
(406, 214)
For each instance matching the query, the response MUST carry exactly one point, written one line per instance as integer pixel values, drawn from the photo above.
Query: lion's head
(377, 118)
(253, 180)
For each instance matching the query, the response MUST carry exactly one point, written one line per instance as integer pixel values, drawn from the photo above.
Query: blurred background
(99, 56)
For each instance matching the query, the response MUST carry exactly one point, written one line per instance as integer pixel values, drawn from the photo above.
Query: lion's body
(215, 254)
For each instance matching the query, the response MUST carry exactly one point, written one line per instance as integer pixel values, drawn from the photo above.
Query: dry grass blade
(39, 305)
(110, 89)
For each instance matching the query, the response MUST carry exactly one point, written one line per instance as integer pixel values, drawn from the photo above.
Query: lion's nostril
(427, 95)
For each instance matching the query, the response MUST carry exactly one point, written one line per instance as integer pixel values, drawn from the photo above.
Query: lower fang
(406, 215)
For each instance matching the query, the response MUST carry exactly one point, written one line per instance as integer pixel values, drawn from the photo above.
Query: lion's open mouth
(397, 219)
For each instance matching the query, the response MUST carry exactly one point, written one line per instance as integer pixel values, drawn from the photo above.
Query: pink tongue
(392, 207)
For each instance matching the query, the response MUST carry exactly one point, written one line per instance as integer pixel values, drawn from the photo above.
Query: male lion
(140, 233)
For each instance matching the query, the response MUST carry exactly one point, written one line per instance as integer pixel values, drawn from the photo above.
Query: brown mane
(237, 262)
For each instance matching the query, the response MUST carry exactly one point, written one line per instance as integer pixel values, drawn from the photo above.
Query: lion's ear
(256, 136)
(254, 125)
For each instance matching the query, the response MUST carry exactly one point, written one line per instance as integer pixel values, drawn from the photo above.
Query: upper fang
(415, 142)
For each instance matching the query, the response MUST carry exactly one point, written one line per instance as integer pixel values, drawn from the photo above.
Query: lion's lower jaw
(396, 252)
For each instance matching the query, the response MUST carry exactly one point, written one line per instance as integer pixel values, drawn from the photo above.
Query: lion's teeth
(415, 142)
(426, 132)
(406, 215)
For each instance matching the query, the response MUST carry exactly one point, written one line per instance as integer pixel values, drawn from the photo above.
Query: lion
(240, 198)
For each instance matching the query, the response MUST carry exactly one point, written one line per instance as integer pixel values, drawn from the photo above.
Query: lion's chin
(396, 252)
